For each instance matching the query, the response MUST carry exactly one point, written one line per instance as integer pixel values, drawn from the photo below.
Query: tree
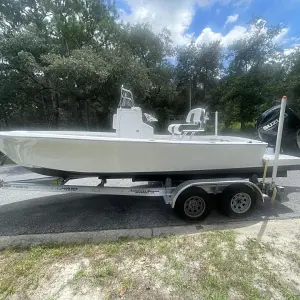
(248, 84)
(199, 68)
(62, 64)
(292, 65)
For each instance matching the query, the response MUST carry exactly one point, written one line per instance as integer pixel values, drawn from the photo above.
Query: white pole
(190, 95)
(216, 123)
(278, 140)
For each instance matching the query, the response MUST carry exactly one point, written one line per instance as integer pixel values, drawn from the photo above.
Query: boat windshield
(126, 99)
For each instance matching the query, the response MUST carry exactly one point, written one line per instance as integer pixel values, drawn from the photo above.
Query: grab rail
(125, 97)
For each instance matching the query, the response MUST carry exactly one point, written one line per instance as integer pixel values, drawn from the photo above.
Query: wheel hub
(194, 206)
(240, 203)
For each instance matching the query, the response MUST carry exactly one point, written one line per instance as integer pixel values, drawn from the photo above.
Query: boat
(133, 150)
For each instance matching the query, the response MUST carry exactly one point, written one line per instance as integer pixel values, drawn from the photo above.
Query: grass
(103, 270)
(224, 267)
(79, 275)
(295, 257)
(18, 266)
(212, 265)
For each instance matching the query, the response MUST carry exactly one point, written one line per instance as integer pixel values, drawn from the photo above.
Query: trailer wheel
(237, 201)
(193, 204)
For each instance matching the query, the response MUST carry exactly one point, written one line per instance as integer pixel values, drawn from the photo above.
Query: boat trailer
(191, 199)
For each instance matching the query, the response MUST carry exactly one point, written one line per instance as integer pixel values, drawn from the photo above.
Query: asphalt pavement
(24, 212)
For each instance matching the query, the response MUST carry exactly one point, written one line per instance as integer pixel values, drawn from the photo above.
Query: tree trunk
(55, 105)
(205, 85)
(56, 112)
(86, 109)
(243, 125)
(81, 113)
(242, 115)
(46, 111)
(4, 117)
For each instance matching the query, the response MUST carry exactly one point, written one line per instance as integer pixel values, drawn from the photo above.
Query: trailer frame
(172, 192)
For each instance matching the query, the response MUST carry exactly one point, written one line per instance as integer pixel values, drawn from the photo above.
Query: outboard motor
(267, 126)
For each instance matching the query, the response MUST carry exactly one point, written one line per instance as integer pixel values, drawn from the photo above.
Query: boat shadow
(83, 213)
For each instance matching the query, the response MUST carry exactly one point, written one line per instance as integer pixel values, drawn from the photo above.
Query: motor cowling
(267, 126)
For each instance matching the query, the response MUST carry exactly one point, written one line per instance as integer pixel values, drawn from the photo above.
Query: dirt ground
(260, 261)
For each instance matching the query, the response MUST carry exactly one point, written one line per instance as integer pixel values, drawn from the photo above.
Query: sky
(208, 20)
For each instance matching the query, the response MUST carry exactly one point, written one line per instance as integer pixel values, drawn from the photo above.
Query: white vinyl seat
(195, 120)
(174, 129)
(171, 128)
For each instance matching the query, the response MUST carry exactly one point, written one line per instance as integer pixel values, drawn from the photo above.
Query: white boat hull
(105, 154)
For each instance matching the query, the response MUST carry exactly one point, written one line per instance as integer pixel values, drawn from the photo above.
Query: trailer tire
(193, 204)
(237, 201)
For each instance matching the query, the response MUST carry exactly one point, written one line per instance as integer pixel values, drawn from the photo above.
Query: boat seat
(195, 120)
(180, 128)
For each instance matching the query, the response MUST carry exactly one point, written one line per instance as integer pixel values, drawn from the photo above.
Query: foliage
(62, 64)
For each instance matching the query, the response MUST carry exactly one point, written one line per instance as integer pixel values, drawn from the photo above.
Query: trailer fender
(212, 187)
(254, 187)
(257, 190)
